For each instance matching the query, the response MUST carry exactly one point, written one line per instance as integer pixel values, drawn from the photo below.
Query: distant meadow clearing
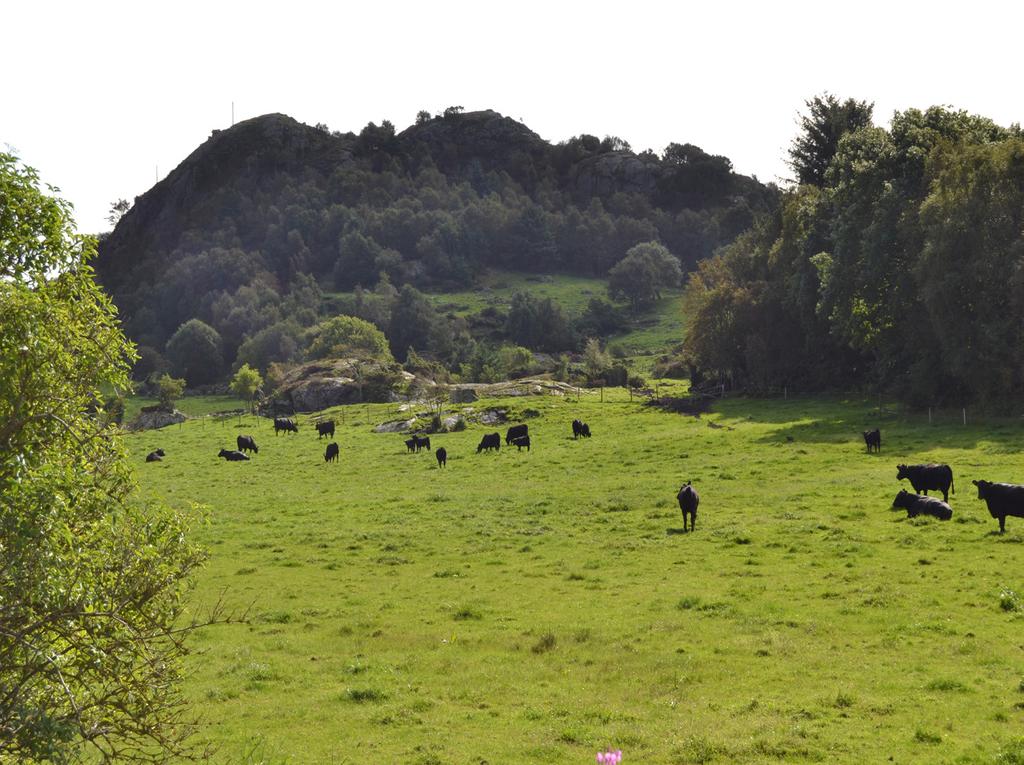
(543, 606)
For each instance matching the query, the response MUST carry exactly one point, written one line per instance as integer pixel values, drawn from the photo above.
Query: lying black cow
(490, 441)
(232, 456)
(1003, 499)
(516, 431)
(155, 456)
(873, 440)
(688, 501)
(325, 428)
(247, 444)
(442, 456)
(286, 424)
(926, 477)
(521, 441)
(331, 455)
(422, 442)
(916, 505)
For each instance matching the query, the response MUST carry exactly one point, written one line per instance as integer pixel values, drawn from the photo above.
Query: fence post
(965, 415)
(929, 415)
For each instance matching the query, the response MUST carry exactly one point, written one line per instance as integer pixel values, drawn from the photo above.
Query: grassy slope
(537, 606)
(193, 406)
(655, 330)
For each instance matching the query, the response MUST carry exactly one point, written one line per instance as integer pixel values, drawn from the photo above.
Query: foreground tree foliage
(92, 581)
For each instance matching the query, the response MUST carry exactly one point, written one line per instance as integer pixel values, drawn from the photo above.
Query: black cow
(516, 431)
(331, 455)
(916, 505)
(232, 456)
(521, 441)
(585, 431)
(577, 428)
(155, 456)
(422, 442)
(926, 477)
(442, 456)
(325, 428)
(688, 501)
(873, 439)
(247, 444)
(286, 424)
(410, 443)
(490, 441)
(1003, 499)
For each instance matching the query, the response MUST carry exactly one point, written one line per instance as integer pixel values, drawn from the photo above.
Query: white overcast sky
(100, 96)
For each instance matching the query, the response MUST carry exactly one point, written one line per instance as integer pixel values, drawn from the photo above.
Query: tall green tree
(827, 120)
(92, 580)
(345, 336)
(196, 352)
(647, 269)
(246, 384)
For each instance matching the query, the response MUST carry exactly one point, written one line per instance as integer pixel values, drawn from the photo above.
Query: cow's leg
(1002, 524)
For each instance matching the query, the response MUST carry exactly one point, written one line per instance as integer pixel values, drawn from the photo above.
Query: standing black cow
(325, 428)
(422, 442)
(916, 505)
(688, 501)
(577, 428)
(516, 431)
(286, 424)
(925, 477)
(331, 455)
(232, 456)
(410, 443)
(521, 441)
(873, 440)
(247, 444)
(585, 431)
(490, 441)
(442, 456)
(1003, 499)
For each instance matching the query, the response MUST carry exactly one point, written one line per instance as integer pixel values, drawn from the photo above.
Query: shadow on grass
(824, 420)
(672, 532)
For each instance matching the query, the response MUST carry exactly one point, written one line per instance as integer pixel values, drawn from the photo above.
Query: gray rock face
(492, 416)
(332, 382)
(321, 392)
(615, 171)
(156, 418)
(395, 426)
(452, 421)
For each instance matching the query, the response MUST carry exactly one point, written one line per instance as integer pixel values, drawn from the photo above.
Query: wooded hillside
(250, 230)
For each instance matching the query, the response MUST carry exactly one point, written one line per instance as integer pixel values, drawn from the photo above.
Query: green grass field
(536, 607)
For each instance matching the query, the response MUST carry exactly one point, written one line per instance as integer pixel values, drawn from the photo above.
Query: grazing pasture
(519, 607)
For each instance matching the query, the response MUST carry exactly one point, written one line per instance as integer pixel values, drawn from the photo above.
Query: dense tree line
(251, 256)
(897, 263)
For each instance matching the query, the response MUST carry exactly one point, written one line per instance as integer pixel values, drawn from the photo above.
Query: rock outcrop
(151, 418)
(322, 384)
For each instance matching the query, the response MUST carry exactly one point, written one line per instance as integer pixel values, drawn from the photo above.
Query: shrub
(195, 351)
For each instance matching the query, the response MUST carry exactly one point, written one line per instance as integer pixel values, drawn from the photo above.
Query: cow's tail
(952, 486)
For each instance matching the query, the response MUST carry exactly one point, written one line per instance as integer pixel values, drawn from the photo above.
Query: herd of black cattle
(1002, 499)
